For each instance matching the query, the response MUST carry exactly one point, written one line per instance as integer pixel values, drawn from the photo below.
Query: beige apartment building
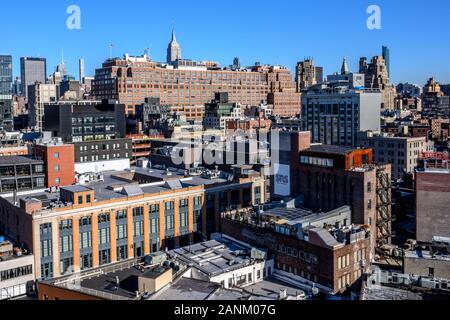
(401, 152)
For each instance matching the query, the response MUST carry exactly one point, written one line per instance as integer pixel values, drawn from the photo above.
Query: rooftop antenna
(62, 55)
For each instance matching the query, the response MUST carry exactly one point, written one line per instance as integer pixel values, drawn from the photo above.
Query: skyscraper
(377, 77)
(6, 80)
(386, 56)
(307, 74)
(345, 69)
(174, 50)
(32, 70)
(81, 70)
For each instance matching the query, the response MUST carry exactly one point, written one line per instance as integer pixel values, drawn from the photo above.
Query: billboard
(282, 179)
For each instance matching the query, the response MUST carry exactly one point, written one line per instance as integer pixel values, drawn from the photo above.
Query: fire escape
(384, 213)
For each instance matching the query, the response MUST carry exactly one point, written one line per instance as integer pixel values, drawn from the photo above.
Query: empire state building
(174, 50)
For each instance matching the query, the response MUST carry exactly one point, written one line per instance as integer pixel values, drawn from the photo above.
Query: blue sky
(272, 32)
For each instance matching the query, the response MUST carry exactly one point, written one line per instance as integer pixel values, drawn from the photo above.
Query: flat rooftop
(186, 289)
(270, 289)
(425, 254)
(17, 160)
(383, 293)
(213, 257)
(321, 148)
(120, 184)
(102, 282)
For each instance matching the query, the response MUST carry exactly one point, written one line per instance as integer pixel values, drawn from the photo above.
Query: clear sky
(269, 31)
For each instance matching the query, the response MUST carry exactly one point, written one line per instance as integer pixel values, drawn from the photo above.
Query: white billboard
(282, 179)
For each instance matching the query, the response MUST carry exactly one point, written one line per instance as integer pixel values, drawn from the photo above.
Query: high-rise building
(6, 80)
(319, 74)
(345, 68)
(38, 95)
(387, 59)
(81, 71)
(17, 86)
(335, 113)
(132, 79)
(174, 50)
(377, 77)
(307, 74)
(32, 70)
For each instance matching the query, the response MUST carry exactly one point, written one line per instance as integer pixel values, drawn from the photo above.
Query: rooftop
(321, 148)
(125, 184)
(17, 160)
(426, 254)
(213, 257)
(190, 289)
(383, 293)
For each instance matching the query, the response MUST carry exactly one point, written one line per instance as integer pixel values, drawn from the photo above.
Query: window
(86, 261)
(139, 228)
(170, 224)
(169, 206)
(57, 168)
(45, 228)
(57, 181)
(103, 218)
(56, 155)
(104, 256)
(183, 219)
(184, 203)
(197, 201)
(154, 226)
(80, 199)
(121, 215)
(16, 272)
(122, 252)
(65, 244)
(85, 240)
(46, 248)
(122, 231)
(138, 212)
(154, 209)
(86, 221)
(103, 235)
(65, 225)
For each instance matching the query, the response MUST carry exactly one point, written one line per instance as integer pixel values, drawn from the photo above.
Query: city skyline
(248, 36)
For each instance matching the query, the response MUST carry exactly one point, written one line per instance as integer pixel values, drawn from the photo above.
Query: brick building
(125, 215)
(303, 245)
(189, 83)
(330, 177)
(433, 197)
(59, 159)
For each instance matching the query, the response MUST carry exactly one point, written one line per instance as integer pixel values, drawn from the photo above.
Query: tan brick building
(131, 80)
(128, 215)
